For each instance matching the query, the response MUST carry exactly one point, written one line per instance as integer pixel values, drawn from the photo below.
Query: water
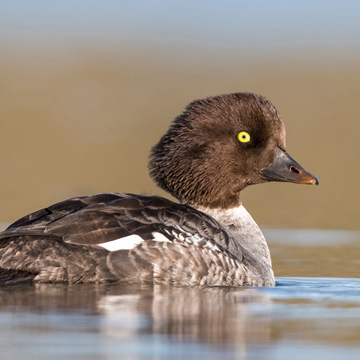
(302, 317)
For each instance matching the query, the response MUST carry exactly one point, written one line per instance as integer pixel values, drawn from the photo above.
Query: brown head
(220, 145)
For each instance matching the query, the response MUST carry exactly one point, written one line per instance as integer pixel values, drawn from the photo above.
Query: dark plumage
(212, 151)
(201, 146)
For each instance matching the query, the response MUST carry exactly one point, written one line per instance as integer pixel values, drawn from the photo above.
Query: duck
(212, 151)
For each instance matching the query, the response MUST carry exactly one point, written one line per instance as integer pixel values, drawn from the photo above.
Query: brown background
(79, 117)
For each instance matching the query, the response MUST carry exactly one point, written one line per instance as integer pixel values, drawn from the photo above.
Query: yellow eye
(243, 136)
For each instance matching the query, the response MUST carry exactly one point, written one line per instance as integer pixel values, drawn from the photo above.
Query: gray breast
(246, 238)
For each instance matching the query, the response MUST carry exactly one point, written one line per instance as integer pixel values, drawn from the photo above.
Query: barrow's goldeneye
(212, 151)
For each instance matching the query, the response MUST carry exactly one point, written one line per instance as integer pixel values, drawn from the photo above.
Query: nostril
(294, 170)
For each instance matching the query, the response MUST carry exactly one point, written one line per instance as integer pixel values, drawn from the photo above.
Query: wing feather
(97, 219)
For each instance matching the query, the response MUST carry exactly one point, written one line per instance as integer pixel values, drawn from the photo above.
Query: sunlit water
(301, 318)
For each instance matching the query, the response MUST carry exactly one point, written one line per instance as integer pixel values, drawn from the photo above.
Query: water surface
(300, 318)
(303, 317)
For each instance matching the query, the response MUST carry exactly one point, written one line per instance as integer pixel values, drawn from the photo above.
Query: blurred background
(87, 87)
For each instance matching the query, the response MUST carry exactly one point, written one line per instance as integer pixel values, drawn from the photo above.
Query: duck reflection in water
(211, 315)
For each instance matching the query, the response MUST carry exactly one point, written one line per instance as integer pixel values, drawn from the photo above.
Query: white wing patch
(191, 238)
(125, 243)
(129, 242)
(159, 237)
